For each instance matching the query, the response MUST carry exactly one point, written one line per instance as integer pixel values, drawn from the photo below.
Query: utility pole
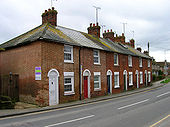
(52, 3)
(102, 28)
(148, 47)
(97, 8)
(124, 27)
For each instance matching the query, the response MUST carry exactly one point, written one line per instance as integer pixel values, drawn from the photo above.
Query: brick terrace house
(57, 64)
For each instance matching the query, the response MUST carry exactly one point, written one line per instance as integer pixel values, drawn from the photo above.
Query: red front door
(85, 87)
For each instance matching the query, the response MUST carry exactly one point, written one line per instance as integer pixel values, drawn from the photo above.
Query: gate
(9, 86)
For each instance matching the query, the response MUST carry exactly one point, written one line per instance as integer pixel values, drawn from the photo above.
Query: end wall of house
(23, 60)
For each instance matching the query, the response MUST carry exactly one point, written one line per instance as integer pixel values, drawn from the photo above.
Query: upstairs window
(115, 59)
(68, 53)
(140, 62)
(149, 63)
(130, 78)
(96, 56)
(130, 61)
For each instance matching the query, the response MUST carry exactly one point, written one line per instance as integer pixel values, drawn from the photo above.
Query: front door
(85, 87)
(108, 83)
(125, 81)
(53, 89)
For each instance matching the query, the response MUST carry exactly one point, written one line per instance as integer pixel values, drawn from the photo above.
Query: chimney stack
(132, 43)
(50, 16)
(139, 49)
(94, 30)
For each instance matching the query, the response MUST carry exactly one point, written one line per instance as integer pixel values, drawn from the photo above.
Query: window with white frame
(68, 53)
(115, 59)
(68, 83)
(97, 81)
(96, 57)
(141, 77)
(116, 80)
(149, 63)
(130, 78)
(140, 62)
(130, 61)
(149, 76)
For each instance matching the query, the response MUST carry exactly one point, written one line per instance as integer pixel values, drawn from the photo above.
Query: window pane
(96, 84)
(67, 88)
(115, 59)
(96, 78)
(96, 60)
(95, 53)
(116, 80)
(67, 80)
(67, 49)
(67, 56)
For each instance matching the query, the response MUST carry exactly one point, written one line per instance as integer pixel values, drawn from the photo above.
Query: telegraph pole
(124, 27)
(102, 28)
(97, 8)
(52, 3)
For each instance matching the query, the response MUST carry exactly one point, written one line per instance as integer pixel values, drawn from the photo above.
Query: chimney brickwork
(50, 16)
(94, 29)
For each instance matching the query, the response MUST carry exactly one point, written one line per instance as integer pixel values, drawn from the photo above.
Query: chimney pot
(49, 9)
(93, 25)
(52, 8)
(45, 11)
(123, 34)
(111, 30)
(90, 24)
(105, 31)
(108, 31)
(97, 24)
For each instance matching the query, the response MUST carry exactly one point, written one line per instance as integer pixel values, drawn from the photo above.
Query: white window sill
(69, 93)
(140, 66)
(141, 82)
(116, 64)
(71, 62)
(130, 84)
(116, 87)
(97, 89)
(130, 65)
(97, 64)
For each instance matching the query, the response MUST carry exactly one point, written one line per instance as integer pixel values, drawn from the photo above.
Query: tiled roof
(72, 37)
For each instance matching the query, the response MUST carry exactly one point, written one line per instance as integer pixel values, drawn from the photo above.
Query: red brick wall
(53, 58)
(23, 60)
(88, 63)
(123, 65)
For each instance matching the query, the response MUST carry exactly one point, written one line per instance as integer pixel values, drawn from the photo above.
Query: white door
(53, 88)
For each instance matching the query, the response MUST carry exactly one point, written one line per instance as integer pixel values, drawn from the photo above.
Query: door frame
(56, 88)
(109, 73)
(125, 85)
(87, 73)
(137, 79)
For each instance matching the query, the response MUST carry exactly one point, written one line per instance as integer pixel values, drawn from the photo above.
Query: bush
(6, 102)
(154, 77)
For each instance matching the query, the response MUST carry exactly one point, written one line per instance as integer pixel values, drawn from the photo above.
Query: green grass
(166, 80)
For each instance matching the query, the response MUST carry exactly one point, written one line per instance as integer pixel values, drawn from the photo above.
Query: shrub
(6, 102)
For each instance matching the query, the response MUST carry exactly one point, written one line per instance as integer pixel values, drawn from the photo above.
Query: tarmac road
(146, 109)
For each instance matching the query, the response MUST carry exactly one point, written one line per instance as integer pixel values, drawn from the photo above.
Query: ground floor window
(68, 83)
(130, 78)
(149, 76)
(97, 81)
(141, 77)
(116, 80)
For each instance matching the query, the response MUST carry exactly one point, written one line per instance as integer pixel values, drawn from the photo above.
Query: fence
(9, 86)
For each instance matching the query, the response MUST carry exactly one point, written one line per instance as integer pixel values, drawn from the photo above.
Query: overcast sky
(149, 19)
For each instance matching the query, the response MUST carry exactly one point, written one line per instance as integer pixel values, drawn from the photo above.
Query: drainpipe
(80, 75)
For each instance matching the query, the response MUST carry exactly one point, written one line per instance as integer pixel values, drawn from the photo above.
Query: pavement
(15, 112)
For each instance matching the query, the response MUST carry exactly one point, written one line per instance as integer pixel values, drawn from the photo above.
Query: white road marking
(163, 94)
(133, 104)
(70, 121)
